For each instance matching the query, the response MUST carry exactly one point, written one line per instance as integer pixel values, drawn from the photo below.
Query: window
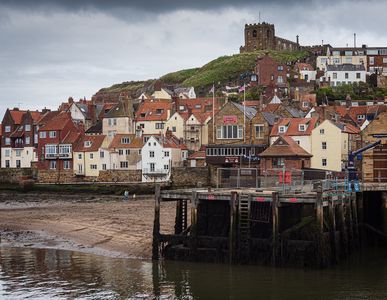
(125, 140)
(198, 106)
(334, 75)
(181, 107)
(346, 75)
(282, 129)
(348, 60)
(385, 60)
(66, 164)
(7, 141)
(166, 167)
(166, 153)
(52, 134)
(336, 53)
(51, 150)
(124, 164)
(324, 145)
(324, 162)
(322, 131)
(151, 154)
(360, 117)
(230, 132)
(101, 154)
(18, 152)
(120, 152)
(280, 68)
(53, 164)
(104, 167)
(7, 164)
(27, 127)
(7, 152)
(159, 111)
(42, 134)
(173, 128)
(18, 163)
(91, 155)
(372, 60)
(93, 167)
(79, 156)
(87, 144)
(159, 125)
(271, 77)
(278, 162)
(323, 60)
(259, 131)
(28, 140)
(280, 79)
(357, 75)
(127, 151)
(336, 60)
(301, 127)
(305, 104)
(7, 129)
(152, 167)
(65, 150)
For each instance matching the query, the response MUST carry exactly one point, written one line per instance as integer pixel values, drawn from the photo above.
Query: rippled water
(57, 274)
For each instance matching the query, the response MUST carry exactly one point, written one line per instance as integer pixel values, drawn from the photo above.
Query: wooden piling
(355, 220)
(193, 231)
(156, 224)
(320, 226)
(351, 243)
(275, 228)
(332, 229)
(232, 232)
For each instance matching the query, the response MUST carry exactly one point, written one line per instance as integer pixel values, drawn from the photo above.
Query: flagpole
(244, 112)
(213, 113)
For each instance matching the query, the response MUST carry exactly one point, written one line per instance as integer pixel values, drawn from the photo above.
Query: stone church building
(261, 36)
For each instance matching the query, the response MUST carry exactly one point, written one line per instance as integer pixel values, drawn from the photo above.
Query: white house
(185, 93)
(159, 154)
(344, 74)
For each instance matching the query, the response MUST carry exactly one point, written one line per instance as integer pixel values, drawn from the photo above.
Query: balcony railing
(58, 155)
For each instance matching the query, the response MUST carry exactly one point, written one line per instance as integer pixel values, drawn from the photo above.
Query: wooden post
(232, 232)
(343, 229)
(320, 225)
(193, 233)
(332, 232)
(355, 219)
(360, 217)
(351, 243)
(275, 228)
(178, 218)
(156, 224)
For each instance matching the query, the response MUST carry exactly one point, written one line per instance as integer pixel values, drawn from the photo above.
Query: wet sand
(103, 225)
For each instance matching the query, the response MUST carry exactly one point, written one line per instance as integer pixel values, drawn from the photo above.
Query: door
(80, 169)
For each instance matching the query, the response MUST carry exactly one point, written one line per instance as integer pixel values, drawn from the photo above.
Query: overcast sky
(50, 50)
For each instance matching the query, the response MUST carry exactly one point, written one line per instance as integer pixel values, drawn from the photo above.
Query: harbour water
(57, 274)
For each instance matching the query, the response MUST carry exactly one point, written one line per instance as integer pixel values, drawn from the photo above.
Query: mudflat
(104, 225)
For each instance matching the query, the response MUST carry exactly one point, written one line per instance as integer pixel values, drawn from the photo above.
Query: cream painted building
(87, 155)
(328, 146)
(176, 124)
(18, 158)
(162, 94)
(340, 56)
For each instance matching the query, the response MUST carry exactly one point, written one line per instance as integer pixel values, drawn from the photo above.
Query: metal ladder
(244, 227)
(184, 210)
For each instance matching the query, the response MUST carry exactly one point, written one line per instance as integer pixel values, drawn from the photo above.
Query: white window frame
(259, 133)
(7, 128)
(42, 134)
(52, 134)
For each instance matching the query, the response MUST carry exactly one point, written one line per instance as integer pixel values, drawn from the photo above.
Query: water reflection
(57, 274)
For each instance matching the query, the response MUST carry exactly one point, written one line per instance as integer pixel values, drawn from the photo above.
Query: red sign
(288, 177)
(260, 199)
(293, 200)
(230, 119)
(211, 197)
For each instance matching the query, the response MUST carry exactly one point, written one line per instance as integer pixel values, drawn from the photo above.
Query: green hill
(224, 70)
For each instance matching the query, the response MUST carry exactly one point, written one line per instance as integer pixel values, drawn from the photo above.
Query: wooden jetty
(254, 226)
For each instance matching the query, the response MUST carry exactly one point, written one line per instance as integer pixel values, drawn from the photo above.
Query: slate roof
(250, 112)
(95, 129)
(270, 118)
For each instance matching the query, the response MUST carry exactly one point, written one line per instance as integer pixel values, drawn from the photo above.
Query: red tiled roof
(304, 66)
(285, 146)
(57, 122)
(96, 142)
(71, 137)
(252, 103)
(47, 117)
(36, 115)
(135, 142)
(198, 155)
(271, 107)
(293, 126)
(17, 115)
(147, 111)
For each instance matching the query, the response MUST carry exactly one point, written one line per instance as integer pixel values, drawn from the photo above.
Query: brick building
(261, 36)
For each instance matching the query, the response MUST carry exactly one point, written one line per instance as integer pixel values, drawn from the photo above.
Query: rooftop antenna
(259, 17)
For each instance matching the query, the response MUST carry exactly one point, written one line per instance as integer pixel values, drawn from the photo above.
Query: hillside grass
(222, 70)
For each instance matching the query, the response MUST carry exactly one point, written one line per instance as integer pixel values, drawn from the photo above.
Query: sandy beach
(104, 225)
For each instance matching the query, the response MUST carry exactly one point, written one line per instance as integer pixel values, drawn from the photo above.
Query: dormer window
(181, 107)
(305, 104)
(159, 111)
(360, 117)
(302, 127)
(198, 106)
(87, 144)
(282, 129)
(142, 115)
(125, 140)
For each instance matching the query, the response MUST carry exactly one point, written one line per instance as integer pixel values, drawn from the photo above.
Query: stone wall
(119, 176)
(190, 177)
(14, 175)
(55, 176)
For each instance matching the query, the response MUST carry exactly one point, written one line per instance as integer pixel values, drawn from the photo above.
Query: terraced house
(19, 141)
